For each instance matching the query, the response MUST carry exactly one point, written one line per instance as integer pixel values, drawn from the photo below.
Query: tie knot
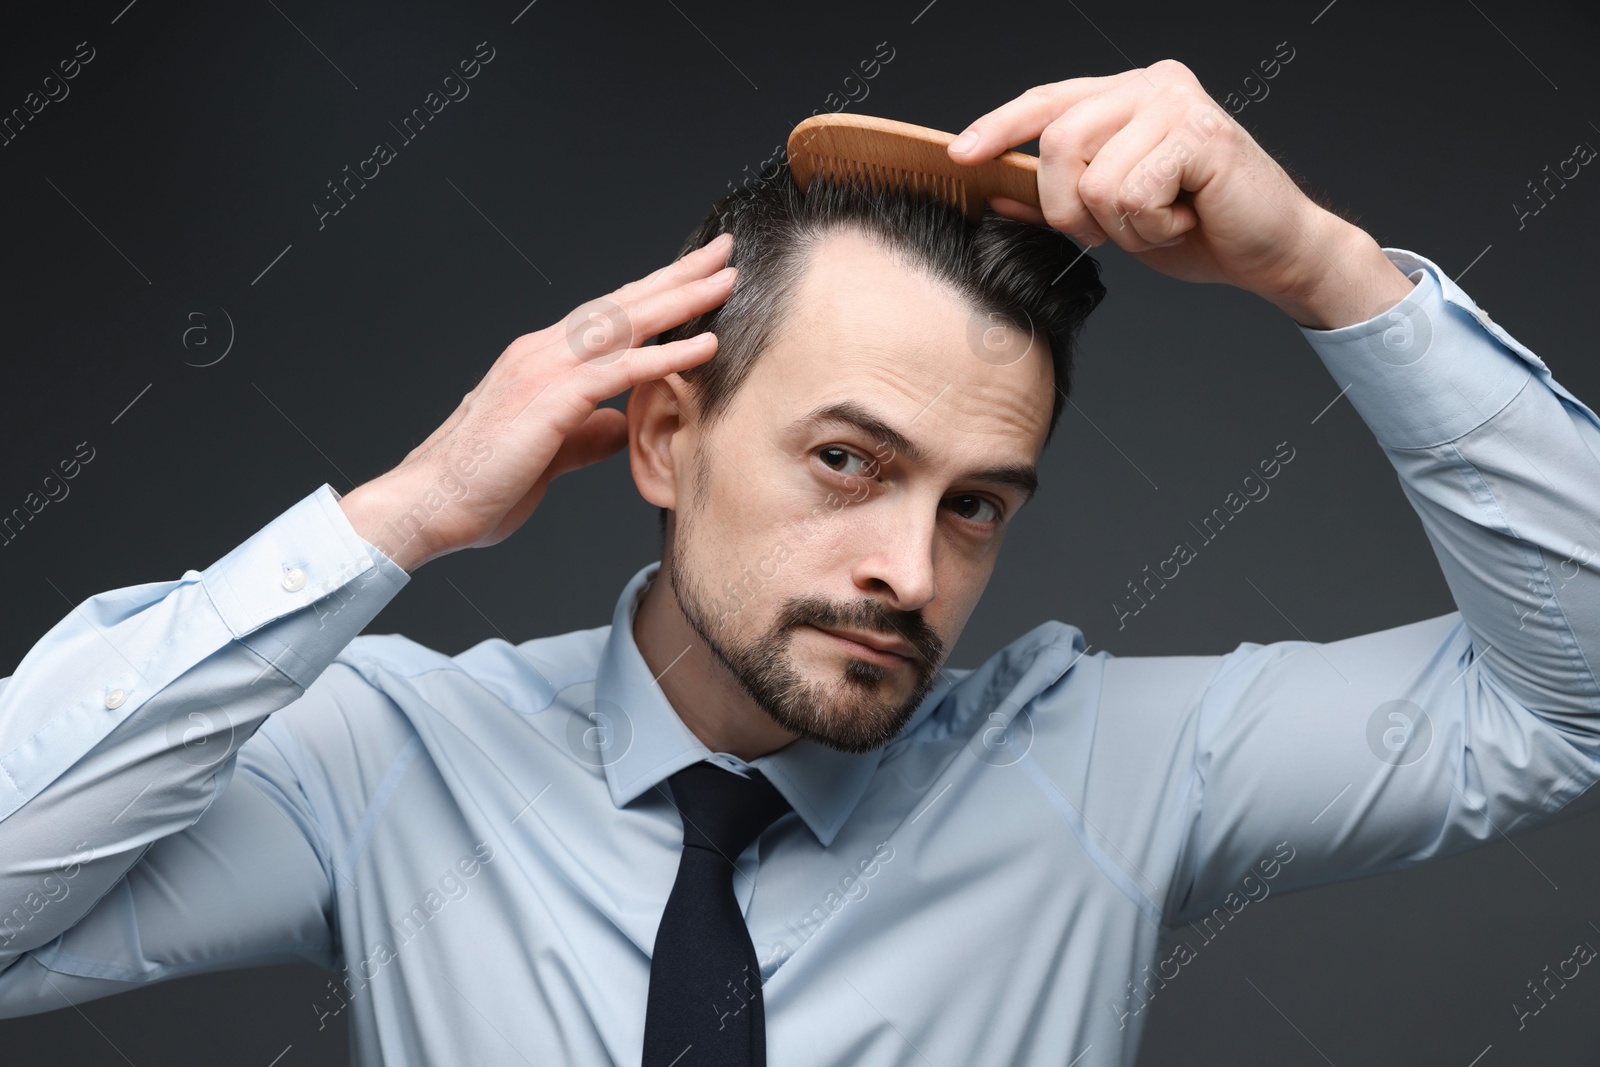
(723, 811)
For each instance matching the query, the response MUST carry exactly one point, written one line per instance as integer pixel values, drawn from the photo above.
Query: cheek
(961, 583)
(744, 549)
(767, 517)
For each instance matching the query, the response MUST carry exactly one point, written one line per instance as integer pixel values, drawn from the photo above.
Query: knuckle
(1172, 67)
(524, 343)
(570, 398)
(1057, 219)
(1176, 93)
(1057, 139)
(598, 328)
(1097, 189)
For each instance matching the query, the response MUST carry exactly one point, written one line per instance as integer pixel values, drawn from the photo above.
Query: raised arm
(152, 822)
(1380, 750)
(1386, 749)
(133, 765)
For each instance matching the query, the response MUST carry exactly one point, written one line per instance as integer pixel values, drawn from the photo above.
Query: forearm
(1503, 467)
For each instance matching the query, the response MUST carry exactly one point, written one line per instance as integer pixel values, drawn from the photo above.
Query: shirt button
(294, 579)
(115, 698)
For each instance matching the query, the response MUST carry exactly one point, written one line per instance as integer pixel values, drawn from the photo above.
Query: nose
(899, 560)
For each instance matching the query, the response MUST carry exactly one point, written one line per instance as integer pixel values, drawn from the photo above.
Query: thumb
(602, 434)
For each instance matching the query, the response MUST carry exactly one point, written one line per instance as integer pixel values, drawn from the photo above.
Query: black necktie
(704, 1007)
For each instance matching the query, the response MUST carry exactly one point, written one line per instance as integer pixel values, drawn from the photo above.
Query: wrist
(1346, 280)
(378, 512)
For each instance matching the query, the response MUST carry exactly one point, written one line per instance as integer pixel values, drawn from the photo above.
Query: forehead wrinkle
(971, 409)
(970, 405)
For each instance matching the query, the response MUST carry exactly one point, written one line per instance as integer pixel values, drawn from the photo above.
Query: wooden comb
(878, 152)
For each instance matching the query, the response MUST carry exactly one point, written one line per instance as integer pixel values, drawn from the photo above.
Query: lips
(877, 642)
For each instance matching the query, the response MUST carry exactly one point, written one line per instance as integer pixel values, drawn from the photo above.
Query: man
(754, 819)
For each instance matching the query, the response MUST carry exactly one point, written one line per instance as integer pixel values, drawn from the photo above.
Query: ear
(660, 438)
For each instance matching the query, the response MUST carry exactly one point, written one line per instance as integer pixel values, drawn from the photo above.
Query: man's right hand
(535, 415)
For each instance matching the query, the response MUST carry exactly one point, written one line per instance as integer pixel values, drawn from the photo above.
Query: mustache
(866, 615)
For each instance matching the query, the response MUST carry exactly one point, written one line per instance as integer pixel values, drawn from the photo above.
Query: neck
(705, 696)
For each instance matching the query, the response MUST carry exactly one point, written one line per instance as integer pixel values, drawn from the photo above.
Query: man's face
(860, 481)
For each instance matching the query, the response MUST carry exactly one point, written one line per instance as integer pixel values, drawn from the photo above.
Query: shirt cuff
(308, 555)
(1432, 367)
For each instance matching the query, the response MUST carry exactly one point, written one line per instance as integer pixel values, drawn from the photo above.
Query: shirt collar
(821, 784)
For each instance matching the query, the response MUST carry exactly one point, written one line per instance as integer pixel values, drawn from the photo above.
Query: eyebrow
(1023, 477)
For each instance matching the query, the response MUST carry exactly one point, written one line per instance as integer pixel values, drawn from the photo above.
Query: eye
(840, 459)
(972, 508)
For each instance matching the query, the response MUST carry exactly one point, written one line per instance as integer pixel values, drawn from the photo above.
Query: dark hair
(1031, 277)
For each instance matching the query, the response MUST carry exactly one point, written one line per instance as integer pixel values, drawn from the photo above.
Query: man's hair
(1029, 277)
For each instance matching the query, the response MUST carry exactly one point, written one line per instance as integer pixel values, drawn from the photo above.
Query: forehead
(867, 327)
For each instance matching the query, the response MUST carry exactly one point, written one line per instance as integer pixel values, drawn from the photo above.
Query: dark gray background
(192, 147)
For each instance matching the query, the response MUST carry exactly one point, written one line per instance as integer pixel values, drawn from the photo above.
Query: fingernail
(965, 143)
(726, 274)
(1168, 244)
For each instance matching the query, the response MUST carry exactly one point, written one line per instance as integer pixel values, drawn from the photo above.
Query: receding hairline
(802, 260)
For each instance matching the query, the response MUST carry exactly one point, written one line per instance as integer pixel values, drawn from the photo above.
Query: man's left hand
(1147, 157)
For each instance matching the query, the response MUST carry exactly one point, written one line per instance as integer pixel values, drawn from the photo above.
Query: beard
(845, 713)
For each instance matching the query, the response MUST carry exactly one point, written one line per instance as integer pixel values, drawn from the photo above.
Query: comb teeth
(952, 191)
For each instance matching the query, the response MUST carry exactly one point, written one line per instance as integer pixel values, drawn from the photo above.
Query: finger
(1024, 118)
(703, 261)
(602, 434)
(1135, 194)
(1069, 147)
(601, 329)
(590, 384)
(674, 307)
(1016, 209)
(1121, 182)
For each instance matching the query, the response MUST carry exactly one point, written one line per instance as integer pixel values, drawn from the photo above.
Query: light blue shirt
(217, 772)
